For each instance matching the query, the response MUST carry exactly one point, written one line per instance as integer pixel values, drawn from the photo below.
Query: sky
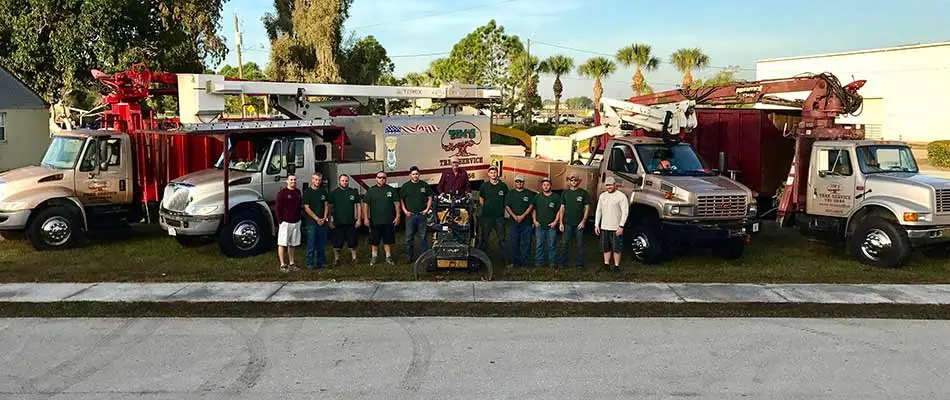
(730, 32)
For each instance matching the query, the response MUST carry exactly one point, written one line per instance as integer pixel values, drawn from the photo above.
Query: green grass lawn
(146, 254)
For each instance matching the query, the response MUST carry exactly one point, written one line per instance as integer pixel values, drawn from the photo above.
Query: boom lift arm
(622, 116)
(827, 99)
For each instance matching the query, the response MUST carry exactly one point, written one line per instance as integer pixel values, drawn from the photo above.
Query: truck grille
(721, 206)
(176, 197)
(943, 200)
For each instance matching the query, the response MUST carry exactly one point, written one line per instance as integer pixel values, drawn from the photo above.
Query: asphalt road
(473, 358)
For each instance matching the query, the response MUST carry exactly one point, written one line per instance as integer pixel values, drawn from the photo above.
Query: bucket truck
(868, 195)
(674, 199)
(179, 173)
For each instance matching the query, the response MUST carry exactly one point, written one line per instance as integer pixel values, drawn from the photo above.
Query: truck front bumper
(14, 220)
(188, 225)
(925, 236)
(707, 232)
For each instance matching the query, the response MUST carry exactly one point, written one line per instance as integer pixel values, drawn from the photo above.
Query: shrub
(565, 130)
(540, 130)
(938, 153)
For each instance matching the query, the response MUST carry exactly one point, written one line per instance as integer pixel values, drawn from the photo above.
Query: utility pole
(527, 84)
(238, 41)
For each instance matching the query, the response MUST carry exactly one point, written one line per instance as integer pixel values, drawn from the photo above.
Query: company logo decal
(459, 136)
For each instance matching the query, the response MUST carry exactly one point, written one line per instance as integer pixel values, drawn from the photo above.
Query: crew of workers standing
(337, 215)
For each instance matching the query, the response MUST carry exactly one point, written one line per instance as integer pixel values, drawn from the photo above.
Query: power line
(435, 14)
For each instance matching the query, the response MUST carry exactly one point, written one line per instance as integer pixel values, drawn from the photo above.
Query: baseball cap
(572, 175)
(519, 178)
(493, 168)
(610, 181)
(545, 179)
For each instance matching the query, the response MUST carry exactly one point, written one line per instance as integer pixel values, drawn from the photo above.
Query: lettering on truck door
(101, 187)
(831, 184)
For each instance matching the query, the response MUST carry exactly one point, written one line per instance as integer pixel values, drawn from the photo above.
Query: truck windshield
(886, 158)
(63, 152)
(246, 155)
(671, 160)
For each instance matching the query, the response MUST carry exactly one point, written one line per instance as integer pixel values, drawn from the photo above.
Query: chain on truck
(201, 176)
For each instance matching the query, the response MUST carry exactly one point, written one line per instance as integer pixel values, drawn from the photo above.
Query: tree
(53, 45)
(252, 72)
(685, 60)
(365, 62)
(557, 65)
(578, 103)
(597, 68)
(525, 74)
(638, 55)
(726, 76)
(305, 38)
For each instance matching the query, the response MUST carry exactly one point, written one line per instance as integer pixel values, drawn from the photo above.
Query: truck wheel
(424, 263)
(880, 243)
(646, 242)
(245, 235)
(54, 228)
(731, 249)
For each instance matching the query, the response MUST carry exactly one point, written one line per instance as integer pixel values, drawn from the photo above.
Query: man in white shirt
(609, 220)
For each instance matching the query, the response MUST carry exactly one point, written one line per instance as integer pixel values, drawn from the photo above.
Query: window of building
(3, 125)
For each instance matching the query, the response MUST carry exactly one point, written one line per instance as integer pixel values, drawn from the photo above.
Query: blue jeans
(545, 237)
(317, 241)
(415, 225)
(572, 234)
(520, 242)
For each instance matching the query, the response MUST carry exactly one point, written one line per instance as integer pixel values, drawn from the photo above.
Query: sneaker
(283, 268)
(293, 267)
(372, 261)
(616, 268)
(389, 260)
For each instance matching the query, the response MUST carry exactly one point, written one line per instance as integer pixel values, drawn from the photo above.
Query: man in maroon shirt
(454, 180)
(288, 213)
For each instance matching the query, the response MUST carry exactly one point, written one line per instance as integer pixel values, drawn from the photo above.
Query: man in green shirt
(380, 214)
(416, 204)
(576, 211)
(518, 205)
(548, 208)
(316, 221)
(491, 196)
(345, 220)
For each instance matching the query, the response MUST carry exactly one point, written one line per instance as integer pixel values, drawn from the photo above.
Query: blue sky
(731, 32)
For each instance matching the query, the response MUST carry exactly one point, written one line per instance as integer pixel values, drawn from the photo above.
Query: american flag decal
(417, 128)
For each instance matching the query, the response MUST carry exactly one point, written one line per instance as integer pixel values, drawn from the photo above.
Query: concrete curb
(475, 292)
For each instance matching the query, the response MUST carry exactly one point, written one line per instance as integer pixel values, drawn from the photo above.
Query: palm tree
(557, 65)
(638, 55)
(685, 60)
(597, 68)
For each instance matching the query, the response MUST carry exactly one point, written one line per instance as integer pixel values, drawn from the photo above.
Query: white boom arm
(201, 96)
(667, 118)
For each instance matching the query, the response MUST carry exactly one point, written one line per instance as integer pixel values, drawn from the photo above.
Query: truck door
(104, 169)
(622, 165)
(275, 175)
(831, 182)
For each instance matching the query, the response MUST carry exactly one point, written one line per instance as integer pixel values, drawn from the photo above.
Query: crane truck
(868, 195)
(199, 175)
(682, 203)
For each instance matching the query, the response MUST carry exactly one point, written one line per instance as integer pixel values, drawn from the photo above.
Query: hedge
(938, 153)
(565, 130)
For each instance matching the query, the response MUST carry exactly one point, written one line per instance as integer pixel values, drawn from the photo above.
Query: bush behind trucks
(120, 174)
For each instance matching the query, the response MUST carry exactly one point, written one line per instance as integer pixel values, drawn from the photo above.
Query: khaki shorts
(288, 234)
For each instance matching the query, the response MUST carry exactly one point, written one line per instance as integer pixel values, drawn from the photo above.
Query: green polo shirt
(519, 203)
(547, 207)
(380, 200)
(315, 198)
(343, 201)
(494, 196)
(574, 202)
(415, 195)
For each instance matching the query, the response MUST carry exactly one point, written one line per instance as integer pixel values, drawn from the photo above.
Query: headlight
(12, 205)
(201, 210)
(685, 211)
(753, 209)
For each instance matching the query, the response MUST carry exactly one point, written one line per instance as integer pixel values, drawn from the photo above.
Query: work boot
(389, 260)
(372, 261)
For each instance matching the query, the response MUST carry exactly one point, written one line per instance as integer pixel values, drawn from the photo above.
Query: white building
(905, 97)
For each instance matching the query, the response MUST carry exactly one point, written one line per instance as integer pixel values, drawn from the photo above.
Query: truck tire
(730, 249)
(55, 228)
(645, 242)
(245, 235)
(879, 243)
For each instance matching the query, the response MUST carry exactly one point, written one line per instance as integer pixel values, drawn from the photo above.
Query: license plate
(451, 264)
(735, 232)
(755, 227)
(171, 232)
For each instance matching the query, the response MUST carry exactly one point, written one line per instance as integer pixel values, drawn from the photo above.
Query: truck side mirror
(638, 180)
(290, 157)
(104, 155)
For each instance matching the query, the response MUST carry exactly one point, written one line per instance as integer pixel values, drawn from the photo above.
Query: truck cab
(675, 200)
(871, 195)
(193, 206)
